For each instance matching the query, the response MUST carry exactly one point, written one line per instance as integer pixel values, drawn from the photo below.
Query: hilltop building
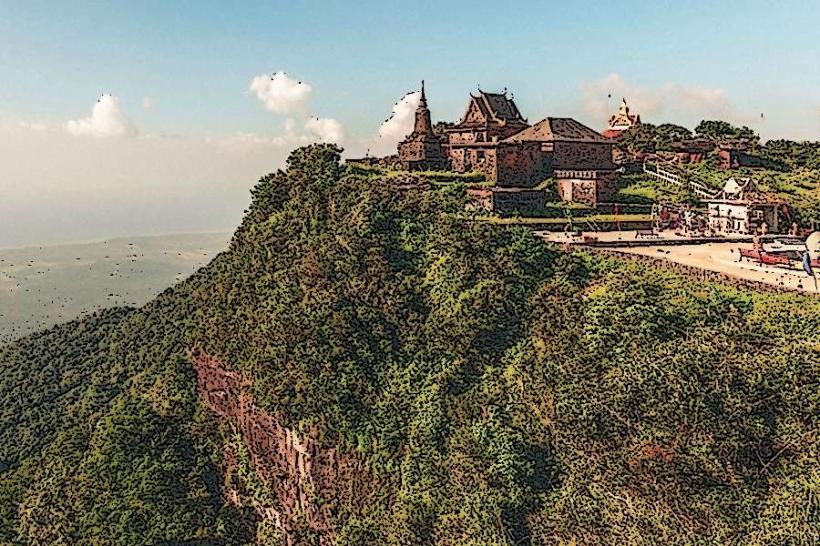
(493, 138)
(741, 207)
(621, 121)
(489, 119)
(577, 157)
(422, 149)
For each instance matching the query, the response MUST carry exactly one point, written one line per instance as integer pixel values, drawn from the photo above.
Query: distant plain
(44, 286)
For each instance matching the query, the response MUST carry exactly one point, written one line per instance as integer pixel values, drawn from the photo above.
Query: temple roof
(558, 129)
(500, 106)
(496, 106)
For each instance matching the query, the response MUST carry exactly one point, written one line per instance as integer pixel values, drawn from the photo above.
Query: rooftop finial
(422, 91)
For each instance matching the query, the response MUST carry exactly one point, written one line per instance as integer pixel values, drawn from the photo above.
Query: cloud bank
(326, 130)
(106, 120)
(282, 94)
(60, 188)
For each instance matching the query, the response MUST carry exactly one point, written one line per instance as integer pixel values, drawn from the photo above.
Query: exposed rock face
(308, 481)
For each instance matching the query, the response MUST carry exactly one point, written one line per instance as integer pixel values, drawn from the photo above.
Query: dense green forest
(502, 392)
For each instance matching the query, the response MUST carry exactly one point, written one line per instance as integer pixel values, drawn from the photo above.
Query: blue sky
(183, 138)
(195, 58)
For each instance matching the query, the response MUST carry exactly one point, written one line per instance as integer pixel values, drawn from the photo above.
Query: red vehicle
(767, 258)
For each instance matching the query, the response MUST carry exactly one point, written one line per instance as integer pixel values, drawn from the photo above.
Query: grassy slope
(514, 396)
(800, 188)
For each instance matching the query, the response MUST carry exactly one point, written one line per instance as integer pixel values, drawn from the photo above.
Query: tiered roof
(495, 107)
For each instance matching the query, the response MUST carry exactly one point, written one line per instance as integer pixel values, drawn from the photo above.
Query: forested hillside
(500, 393)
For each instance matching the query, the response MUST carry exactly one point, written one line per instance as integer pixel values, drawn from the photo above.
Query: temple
(622, 121)
(489, 119)
(422, 149)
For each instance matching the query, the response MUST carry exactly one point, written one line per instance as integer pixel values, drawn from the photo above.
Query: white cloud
(280, 93)
(148, 103)
(400, 122)
(326, 130)
(670, 102)
(396, 127)
(106, 120)
(284, 95)
(711, 102)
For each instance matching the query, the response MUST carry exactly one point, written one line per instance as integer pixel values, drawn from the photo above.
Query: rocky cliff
(307, 480)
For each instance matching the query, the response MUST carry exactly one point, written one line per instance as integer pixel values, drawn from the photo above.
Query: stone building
(489, 119)
(577, 157)
(422, 150)
(621, 121)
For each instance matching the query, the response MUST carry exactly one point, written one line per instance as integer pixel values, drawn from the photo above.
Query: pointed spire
(423, 125)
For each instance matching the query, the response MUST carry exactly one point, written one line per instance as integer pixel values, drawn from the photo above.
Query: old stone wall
(479, 158)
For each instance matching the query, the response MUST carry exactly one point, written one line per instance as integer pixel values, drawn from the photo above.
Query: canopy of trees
(504, 393)
(722, 130)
